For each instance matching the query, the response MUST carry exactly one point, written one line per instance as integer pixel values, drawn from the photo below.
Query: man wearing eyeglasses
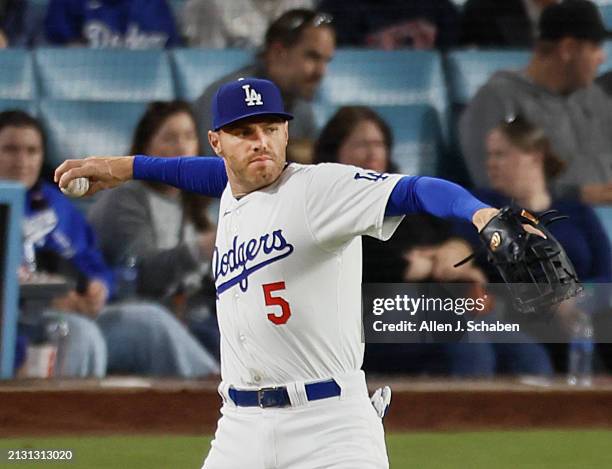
(298, 46)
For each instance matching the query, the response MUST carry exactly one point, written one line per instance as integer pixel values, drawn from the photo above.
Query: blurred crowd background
(509, 98)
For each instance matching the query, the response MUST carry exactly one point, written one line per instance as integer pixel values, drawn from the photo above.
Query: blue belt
(279, 397)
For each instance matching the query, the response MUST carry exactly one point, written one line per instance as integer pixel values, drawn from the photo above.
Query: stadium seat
(78, 129)
(373, 77)
(468, 70)
(196, 69)
(104, 74)
(16, 74)
(607, 65)
(416, 131)
(21, 104)
(605, 7)
(382, 78)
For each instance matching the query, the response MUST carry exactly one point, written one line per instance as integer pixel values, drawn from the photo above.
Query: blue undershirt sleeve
(444, 199)
(202, 174)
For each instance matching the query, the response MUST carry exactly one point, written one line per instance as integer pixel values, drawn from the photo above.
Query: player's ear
(215, 142)
(286, 127)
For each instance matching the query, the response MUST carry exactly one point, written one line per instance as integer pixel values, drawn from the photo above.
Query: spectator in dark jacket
(520, 166)
(491, 23)
(394, 24)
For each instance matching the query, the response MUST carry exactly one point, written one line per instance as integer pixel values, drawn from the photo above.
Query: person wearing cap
(556, 92)
(297, 48)
(287, 269)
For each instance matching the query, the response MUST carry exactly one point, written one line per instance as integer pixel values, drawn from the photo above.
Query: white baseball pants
(335, 433)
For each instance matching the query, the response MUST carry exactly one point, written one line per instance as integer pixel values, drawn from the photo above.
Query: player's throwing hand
(103, 172)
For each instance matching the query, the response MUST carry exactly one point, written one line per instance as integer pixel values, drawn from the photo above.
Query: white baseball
(76, 188)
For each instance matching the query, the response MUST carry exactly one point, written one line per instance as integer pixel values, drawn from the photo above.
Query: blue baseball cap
(247, 97)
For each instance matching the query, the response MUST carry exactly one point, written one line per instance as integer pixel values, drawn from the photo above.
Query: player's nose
(261, 139)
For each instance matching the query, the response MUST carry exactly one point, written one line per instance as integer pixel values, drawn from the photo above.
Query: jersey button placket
(235, 221)
(228, 228)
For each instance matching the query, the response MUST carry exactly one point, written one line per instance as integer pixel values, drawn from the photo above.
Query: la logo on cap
(252, 97)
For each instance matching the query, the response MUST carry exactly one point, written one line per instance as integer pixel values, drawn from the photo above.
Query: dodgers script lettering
(247, 257)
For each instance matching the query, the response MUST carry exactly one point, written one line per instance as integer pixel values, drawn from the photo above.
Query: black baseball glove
(536, 270)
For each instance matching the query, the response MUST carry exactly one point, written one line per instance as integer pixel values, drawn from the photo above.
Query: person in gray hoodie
(556, 91)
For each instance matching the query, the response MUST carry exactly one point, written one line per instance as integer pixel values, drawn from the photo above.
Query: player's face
(177, 136)
(510, 169)
(365, 147)
(21, 154)
(305, 63)
(586, 57)
(254, 151)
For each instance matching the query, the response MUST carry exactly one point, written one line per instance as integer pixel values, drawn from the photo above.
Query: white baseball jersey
(287, 267)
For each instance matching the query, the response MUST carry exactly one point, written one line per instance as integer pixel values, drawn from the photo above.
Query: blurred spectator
(491, 23)
(297, 49)
(421, 250)
(17, 23)
(556, 92)
(394, 24)
(139, 337)
(166, 231)
(133, 24)
(239, 23)
(520, 166)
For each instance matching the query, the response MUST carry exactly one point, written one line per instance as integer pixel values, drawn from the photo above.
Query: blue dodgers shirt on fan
(57, 226)
(134, 24)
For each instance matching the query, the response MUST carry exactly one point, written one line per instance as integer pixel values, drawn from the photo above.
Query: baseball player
(287, 267)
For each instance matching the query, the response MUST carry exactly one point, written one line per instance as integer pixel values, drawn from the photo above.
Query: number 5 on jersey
(285, 312)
